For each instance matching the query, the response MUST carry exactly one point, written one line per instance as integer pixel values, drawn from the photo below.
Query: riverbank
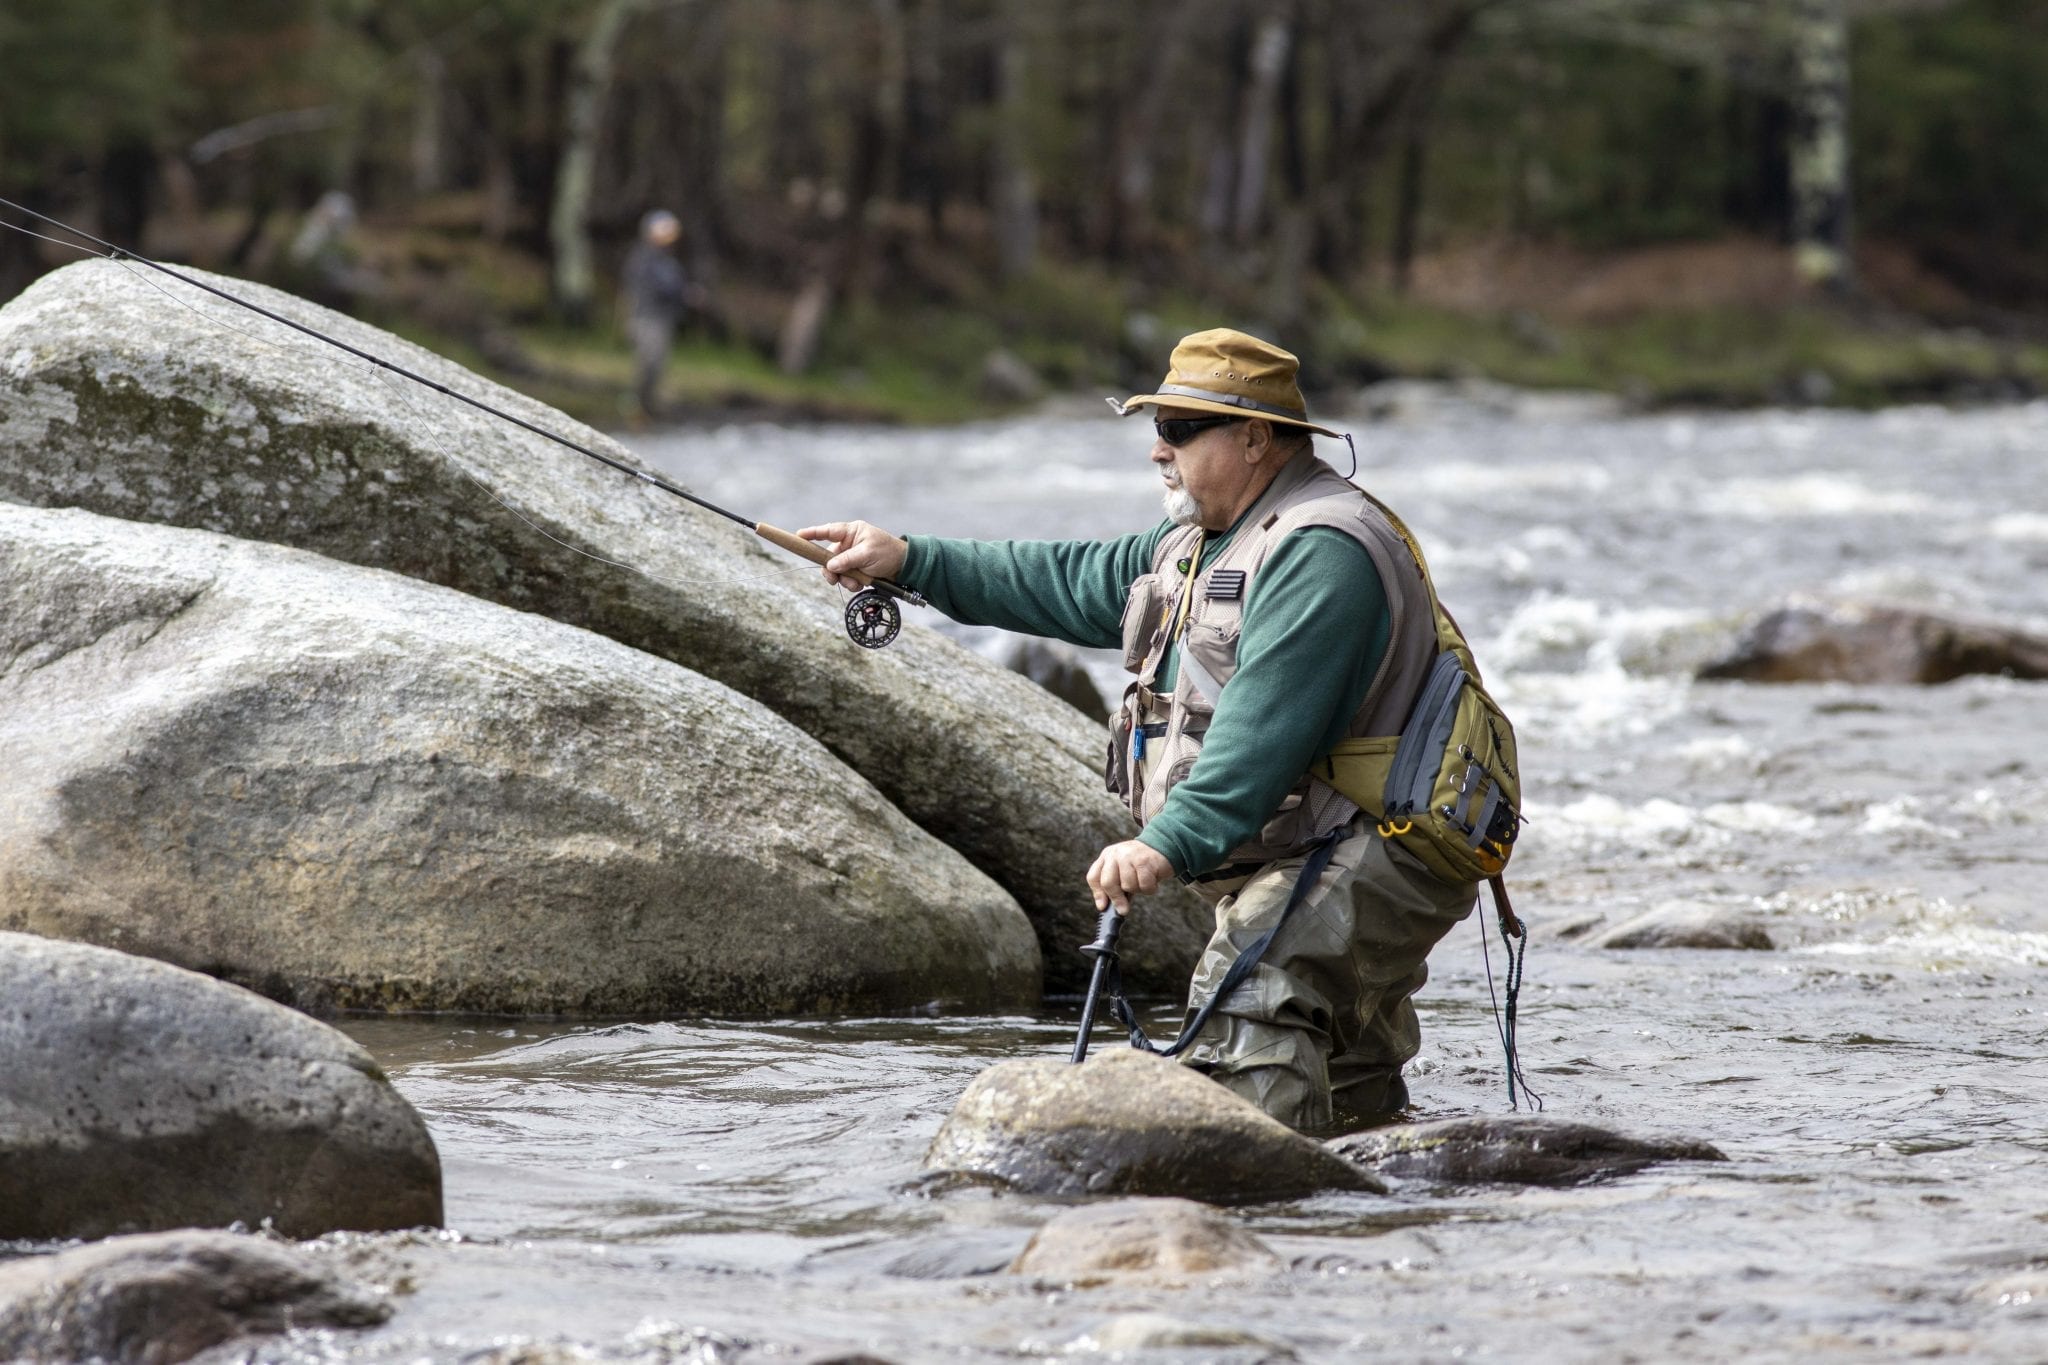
(1717, 325)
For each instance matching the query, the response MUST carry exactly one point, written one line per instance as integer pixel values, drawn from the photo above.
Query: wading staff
(1103, 950)
(872, 617)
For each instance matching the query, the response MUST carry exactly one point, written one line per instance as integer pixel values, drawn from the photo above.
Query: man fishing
(1276, 612)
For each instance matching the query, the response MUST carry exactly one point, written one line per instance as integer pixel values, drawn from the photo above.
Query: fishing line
(872, 617)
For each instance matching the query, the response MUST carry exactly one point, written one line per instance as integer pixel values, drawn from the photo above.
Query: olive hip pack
(1448, 788)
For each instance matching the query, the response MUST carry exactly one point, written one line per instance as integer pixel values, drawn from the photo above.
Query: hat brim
(1174, 400)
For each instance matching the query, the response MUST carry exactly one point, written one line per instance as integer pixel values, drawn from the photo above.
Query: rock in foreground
(1127, 1122)
(165, 1297)
(1687, 924)
(1856, 642)
(116, 399)
(348, 789)
(1142, 1239)
(1512, 1150)
(136, 1096)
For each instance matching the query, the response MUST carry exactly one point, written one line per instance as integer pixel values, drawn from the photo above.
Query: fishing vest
(1155, 737)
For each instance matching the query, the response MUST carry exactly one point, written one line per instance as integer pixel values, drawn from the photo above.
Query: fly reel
(872, 618)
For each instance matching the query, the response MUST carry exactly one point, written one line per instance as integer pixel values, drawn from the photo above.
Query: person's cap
(1232, 373)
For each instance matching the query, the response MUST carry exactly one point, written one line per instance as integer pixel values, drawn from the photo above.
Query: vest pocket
(1141, 619)
(1214, 651)
(1116, 773)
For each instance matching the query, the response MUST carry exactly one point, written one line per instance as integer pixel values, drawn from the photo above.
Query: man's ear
(1258, 440)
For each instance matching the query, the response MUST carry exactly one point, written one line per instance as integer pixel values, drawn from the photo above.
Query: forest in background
(915, 207)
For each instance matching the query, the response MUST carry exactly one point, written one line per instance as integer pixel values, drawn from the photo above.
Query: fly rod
(872, 616)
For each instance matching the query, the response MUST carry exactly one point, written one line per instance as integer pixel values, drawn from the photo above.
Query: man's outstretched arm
(1071, 590)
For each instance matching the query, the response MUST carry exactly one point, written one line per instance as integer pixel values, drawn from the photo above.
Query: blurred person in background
(656, 293)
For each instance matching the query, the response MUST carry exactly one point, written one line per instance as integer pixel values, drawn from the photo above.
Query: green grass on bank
(1730, 357)
(921, 362)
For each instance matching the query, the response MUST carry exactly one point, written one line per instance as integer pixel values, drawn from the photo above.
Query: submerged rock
(1512, 1150)
(1858, 642)
(166, 1297)
(349, 789)
(1687, 924)
(116, 399)
(1142, 1239)
(136, 1096)
(1127, 1122)
(1157, 1331)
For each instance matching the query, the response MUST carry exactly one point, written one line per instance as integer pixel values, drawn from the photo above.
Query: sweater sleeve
(1316, 626)
(1072, 590)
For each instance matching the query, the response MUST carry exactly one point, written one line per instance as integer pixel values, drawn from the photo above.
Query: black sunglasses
(1178, 431)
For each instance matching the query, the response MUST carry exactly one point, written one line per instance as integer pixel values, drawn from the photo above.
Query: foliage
(1053, 177)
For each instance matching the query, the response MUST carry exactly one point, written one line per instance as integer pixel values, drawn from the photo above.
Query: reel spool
(872, 618)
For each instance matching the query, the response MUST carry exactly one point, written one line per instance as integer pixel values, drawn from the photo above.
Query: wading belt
(1311, 873)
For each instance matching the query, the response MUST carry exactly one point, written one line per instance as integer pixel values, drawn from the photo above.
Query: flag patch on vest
(1225, 585)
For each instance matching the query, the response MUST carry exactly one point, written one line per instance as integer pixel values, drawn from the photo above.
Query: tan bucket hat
(1231, 373)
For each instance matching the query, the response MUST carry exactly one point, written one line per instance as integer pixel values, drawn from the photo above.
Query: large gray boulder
(1868, 642)
(135, 1096)
(1513, 1149)
(117, 399)
(1127, 1122)
(349, 789)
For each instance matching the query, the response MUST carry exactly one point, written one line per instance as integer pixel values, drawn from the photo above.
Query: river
(709, 1191)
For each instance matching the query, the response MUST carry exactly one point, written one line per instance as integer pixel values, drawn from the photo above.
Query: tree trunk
(1359, 142)
(1820, 145)
(792, 144)
(429, 122)
(1295, 228)
(127, 174)
(1016, 188)
(1275, 37)
(1158, 68)
(921, 173)
(1219, 189)
(575, 275)
(1408, 198)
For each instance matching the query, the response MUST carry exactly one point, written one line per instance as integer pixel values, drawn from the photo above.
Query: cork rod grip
(797, 545)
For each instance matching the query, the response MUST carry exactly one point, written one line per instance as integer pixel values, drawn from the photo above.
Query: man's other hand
(861, 549)
(1121, 871)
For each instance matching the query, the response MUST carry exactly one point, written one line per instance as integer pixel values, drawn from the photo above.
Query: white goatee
(1178, 502)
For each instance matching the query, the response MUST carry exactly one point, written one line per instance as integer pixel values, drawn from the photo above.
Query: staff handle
(809, 549)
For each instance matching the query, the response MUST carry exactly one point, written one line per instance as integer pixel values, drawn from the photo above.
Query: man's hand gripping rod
(872, 617)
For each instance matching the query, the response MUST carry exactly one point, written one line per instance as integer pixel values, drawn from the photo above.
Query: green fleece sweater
(1315, 627)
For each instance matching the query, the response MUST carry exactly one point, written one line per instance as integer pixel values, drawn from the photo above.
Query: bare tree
(574, 277)
(1819, 42)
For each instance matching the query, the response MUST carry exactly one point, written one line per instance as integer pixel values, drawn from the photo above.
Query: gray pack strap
(1204, 681)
